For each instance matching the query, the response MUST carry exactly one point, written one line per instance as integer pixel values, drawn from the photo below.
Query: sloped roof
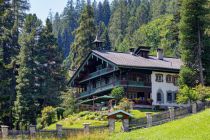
(120, 111)
(129, 60)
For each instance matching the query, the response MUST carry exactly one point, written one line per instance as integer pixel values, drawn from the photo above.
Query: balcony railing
(98, 73)
(109, 86)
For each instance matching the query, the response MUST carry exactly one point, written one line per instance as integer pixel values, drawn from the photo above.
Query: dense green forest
(35, 57)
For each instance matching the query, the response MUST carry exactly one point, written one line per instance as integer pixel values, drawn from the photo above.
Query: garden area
(197, 124)
(94, 118)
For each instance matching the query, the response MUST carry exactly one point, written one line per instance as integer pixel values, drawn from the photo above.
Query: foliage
(118, 93)
(125, 105)
(203, 92)
(59, 112)
(187, 76)
(84, 36)
(193, 13)
(157, 34)
(24, 107)
(187, 94)
(48, 116)
(68, 102)
(193, 94)
(77, 120)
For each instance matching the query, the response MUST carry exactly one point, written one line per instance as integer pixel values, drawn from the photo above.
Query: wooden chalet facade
(102, 71)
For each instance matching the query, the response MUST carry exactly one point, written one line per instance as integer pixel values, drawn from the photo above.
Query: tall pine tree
(84, 37)
(191, 41)
(24, 108)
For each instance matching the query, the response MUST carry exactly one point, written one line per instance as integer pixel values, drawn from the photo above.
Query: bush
(187, 94)
(59, 112)
(124, 104)
(48, 116)
(118, 93)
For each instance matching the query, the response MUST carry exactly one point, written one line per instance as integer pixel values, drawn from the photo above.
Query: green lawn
(195, 127)
(142, 113)
(77, 120)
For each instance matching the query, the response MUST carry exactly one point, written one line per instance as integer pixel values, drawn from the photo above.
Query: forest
(35, 57)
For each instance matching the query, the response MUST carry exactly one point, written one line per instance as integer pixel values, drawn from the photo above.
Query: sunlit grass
(195, 127)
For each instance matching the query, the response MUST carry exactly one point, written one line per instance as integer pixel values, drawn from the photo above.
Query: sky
(42, 7)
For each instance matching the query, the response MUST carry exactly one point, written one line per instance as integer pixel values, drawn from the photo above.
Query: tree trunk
(200, 45)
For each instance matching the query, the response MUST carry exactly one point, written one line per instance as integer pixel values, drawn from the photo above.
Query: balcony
(110, 86)
(98, 73)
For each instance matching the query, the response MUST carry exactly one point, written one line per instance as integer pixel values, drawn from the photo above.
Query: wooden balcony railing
(98, 73)
(123, 83)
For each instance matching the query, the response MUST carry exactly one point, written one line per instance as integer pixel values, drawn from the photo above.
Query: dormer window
(159, 78)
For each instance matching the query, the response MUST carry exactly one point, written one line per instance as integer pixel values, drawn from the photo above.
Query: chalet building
(147, 80)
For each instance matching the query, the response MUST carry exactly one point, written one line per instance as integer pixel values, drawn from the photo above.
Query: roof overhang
(91, 54)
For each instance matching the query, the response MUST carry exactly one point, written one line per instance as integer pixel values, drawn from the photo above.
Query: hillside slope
(195, 127)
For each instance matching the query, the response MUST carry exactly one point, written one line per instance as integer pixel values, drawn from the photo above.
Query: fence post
(149, 119)
(32, 130)
(125, 125)
(86, 128)
(194, 108)
(59, 129)
(4, 131)
(111, 125)
(171, 111)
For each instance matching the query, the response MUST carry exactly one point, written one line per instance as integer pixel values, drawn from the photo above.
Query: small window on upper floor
(159, 78)
(169, 78)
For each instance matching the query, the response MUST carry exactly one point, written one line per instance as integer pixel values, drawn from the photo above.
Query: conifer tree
(24, 108)
(50, 76)
(191, 41)
(5, 101)
(84, 37)
(118, 24)
(106, 12)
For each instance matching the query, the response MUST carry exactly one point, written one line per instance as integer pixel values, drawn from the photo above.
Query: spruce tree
(84, 37)
(50, 76)
(24, 108)
(106, 12)
(118, 24)
(191, 41)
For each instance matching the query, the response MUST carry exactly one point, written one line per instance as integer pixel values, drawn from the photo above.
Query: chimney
(159, 54)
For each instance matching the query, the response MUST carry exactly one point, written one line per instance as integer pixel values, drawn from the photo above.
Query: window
(175, 80)
(159, 97)
(169, 97)
(159, 77)
(175, 96)
(169, 79)
(132, 95)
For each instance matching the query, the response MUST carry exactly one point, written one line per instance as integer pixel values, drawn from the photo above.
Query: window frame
(169, 78)
(159, 77)
(171, 97)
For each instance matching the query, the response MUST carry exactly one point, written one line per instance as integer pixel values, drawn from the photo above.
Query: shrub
(186, 94)
(82, 114)
(118, 93)
(124, 104)
(59, 112)
(48, 116)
